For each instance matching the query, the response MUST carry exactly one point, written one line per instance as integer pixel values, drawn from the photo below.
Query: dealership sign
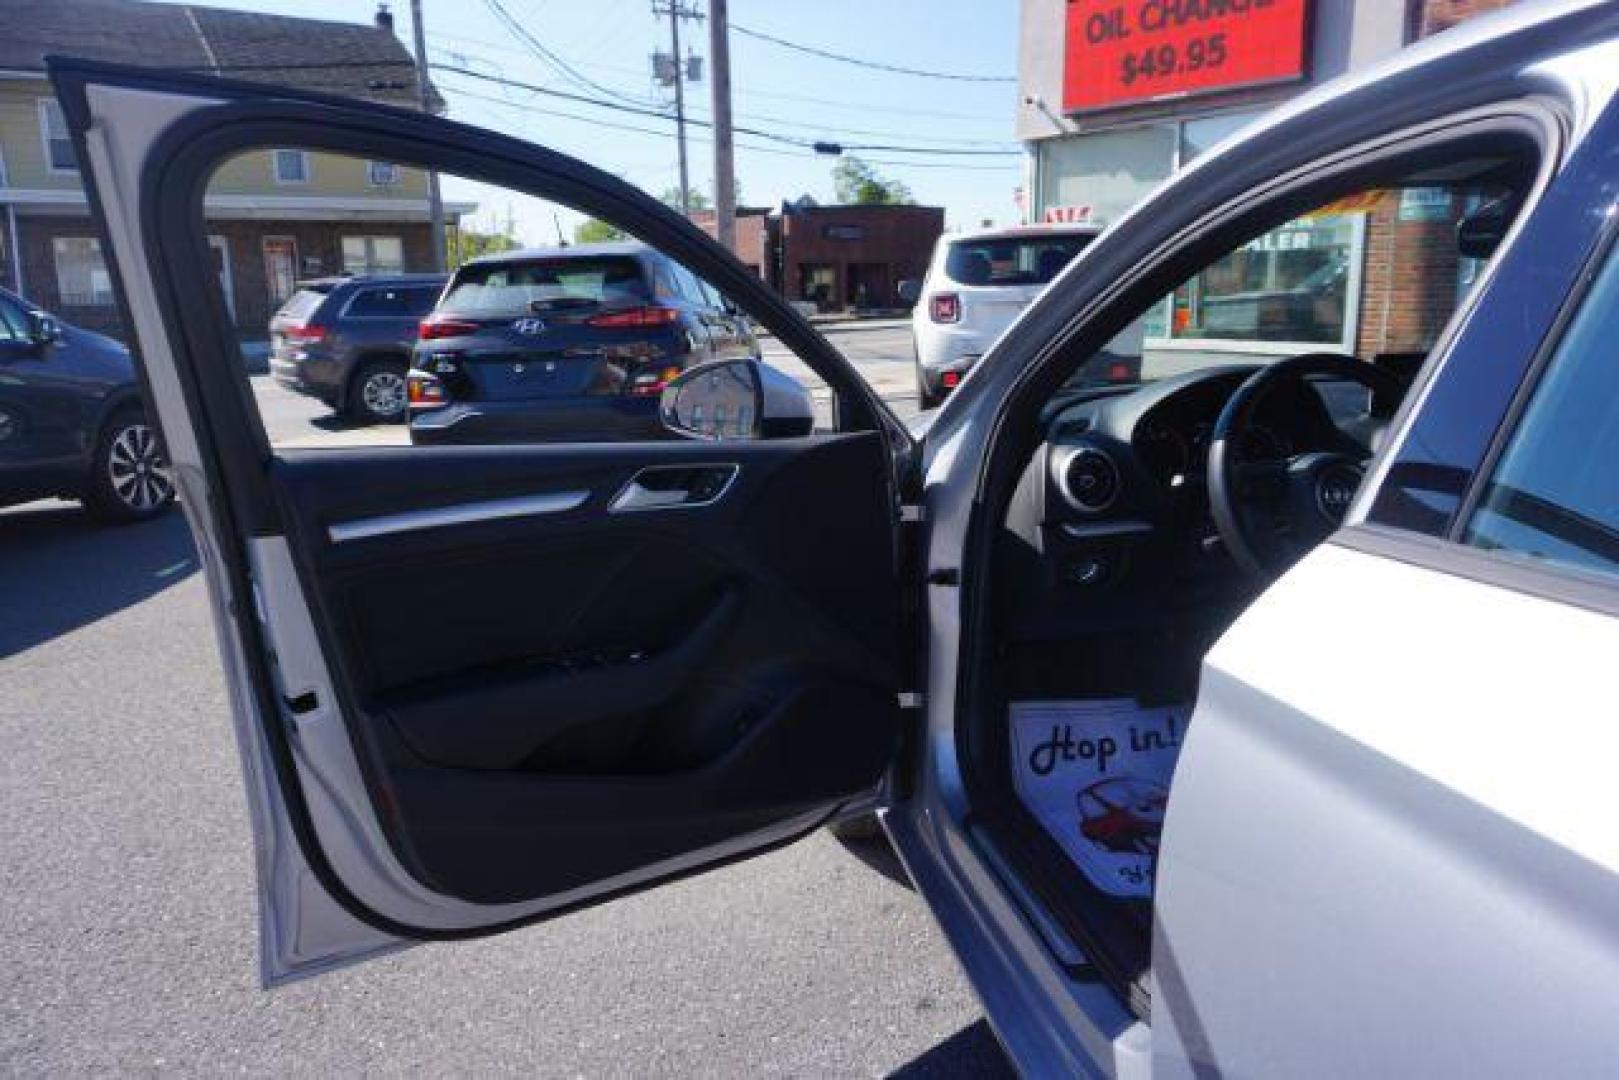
(1121, 52)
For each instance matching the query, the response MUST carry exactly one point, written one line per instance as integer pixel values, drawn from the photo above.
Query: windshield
(500, 290)
(1376, 275)
(1032, 260)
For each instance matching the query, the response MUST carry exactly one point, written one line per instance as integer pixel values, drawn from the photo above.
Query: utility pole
(676, 11)
(424, 98)
(719, 56)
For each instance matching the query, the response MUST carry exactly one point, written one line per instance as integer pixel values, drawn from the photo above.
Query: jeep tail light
(651, 383)
(637, 318)
(951, 379)
(945, 307)
(437, 326)
(422, 388)
(305, 335)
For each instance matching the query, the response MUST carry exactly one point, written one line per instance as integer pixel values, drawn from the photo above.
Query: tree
(696, 198)
(466, 242)
(854, 181)
(597, 231)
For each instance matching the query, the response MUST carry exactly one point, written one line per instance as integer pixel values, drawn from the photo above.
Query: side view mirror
(736, 399)
(910, 290)
(43, 328)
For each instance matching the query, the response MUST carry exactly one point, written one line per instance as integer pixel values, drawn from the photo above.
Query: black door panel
(658, 679)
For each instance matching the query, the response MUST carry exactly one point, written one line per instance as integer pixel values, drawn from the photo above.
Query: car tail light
(640, 318)
(945, 307)
(650, 383)
(951, 379)
(424, 389)
(437, 326)
(305, 335)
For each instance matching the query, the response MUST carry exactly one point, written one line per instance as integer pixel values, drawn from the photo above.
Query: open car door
(477, 685)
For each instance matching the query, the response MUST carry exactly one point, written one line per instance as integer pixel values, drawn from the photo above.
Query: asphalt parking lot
(127, 913)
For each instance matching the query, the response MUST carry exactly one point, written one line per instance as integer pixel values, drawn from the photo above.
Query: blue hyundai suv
(565, 344)
(71, 420)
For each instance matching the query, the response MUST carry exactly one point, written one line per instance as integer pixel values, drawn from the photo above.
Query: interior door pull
(675, 487)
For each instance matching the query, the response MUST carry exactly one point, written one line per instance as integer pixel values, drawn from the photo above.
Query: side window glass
(13, 323)
(419, 302)
(542, 324)
(691, 290)
(377, 303)
(663, 283)
(1554, 494)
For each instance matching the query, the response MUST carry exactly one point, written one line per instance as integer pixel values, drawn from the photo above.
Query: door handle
(672, 487)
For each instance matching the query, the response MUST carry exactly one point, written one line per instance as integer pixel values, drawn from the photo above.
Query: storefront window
(1294, 285)
(1199, 136)
(1107, 172)
(820, 282)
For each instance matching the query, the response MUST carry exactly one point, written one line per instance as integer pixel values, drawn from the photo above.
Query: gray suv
(347, 341)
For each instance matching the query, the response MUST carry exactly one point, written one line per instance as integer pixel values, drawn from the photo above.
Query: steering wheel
(1271, 513)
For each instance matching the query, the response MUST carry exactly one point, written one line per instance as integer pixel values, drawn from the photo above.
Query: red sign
(1121, 52)
(1068, 215)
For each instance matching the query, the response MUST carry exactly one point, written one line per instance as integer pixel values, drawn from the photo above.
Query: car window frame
(248, 117)
(1073, 321)
(1504, 568)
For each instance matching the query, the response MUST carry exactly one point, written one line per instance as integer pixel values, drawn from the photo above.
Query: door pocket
(488, 721)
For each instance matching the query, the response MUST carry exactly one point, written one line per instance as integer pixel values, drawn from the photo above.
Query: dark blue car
(71, 420)
(565, 344)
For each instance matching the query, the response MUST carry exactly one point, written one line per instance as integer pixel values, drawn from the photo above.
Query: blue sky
(607, 43)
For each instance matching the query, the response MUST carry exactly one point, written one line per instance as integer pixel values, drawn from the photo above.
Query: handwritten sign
(1121, 52)
(1096, 775)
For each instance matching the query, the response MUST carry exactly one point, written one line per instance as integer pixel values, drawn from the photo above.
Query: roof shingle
(360, 60)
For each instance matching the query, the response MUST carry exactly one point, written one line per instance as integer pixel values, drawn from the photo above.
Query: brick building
(837, 257)
(751, 236)
(1383, 269)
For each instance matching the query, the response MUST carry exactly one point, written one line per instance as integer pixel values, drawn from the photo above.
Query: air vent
(1088, 479)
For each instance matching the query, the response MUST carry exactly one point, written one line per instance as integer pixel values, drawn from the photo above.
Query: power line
(773, 136)
(498, 9)
(873, 64)
(799, 154)
(748, 92)
(456, 56)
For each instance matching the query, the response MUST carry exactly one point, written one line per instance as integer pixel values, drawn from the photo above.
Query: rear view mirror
(736, 399)
(910, 290)
(1481, 232)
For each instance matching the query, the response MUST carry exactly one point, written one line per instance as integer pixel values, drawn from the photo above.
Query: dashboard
(1113, 507)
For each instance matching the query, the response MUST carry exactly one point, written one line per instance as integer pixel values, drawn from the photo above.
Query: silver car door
(389, 807)
(1389, 846)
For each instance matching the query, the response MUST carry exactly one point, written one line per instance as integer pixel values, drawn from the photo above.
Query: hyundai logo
(529, 326)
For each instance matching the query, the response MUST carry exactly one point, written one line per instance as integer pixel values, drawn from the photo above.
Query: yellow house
(276, 215)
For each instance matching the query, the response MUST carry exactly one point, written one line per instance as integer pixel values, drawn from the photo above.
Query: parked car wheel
(129, 478)
(378, 396)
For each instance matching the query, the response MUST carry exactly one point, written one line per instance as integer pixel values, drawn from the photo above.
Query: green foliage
(466, 242)
(697, 199)
(596, 231)
(854, 181)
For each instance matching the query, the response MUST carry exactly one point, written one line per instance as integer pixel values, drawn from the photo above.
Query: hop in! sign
(1124, 51)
